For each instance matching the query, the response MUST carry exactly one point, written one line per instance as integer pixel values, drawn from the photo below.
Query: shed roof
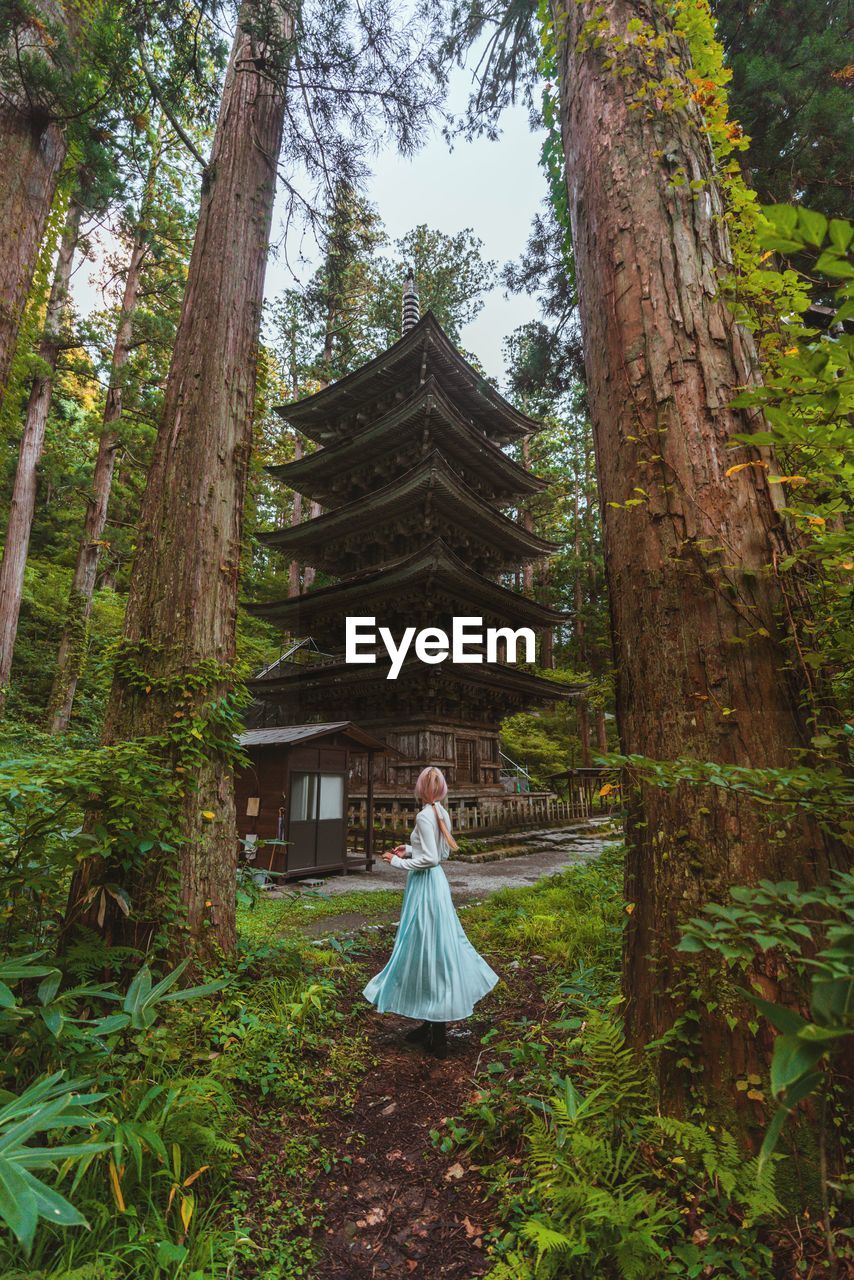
(288, 734)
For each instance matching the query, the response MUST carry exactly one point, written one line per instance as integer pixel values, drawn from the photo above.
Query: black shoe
(437, 1045)
(419, 1035)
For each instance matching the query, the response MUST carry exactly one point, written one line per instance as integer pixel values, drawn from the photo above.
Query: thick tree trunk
(74, 641)
(23, 502)
(32, 150)
(182, 605)
(695, 608)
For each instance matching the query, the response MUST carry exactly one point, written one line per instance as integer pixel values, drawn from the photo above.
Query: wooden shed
(292, 800)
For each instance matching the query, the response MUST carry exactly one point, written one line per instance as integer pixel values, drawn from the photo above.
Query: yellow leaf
(188, 1204)
(208, 815)
(742, 466)
(820, 520)
(117, 1187)
(677, 1160)
(795, 480)
(607, 789)
(188, 1182)
(791, 351)
(630, 906)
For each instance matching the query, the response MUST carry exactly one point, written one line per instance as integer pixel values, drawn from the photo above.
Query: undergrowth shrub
(593, 1183)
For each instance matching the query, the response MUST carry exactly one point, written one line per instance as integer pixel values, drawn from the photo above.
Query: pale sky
(492, 187)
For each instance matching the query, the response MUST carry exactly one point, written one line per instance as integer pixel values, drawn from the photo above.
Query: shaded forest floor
(386, 1200)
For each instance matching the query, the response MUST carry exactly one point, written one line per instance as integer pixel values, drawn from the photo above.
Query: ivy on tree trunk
(696, 609)
(173, 674)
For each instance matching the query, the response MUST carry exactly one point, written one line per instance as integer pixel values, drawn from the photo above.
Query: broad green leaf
(792, 1059)
(786, 1020)
(813, 225)
(841, 233)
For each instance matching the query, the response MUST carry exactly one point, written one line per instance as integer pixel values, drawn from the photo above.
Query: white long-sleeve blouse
(428, 846)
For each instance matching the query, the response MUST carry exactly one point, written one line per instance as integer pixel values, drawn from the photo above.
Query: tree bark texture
(32, 151)
(182, 603)
(23, 501)
(695, 608)
(74, 641)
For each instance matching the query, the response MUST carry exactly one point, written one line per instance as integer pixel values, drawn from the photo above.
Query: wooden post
(369, 814)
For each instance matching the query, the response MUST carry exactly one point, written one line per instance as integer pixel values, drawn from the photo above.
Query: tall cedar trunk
(23, 502)
(694, 607)
(32, 149)
(73, 644)
(182, 602)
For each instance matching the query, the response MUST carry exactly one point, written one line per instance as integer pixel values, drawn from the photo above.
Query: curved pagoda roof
(434, 568)
(433, 487)
(485, 690)
(340, 410)
(396, 438)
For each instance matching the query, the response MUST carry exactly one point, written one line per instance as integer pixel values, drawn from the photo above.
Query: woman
(434, 972)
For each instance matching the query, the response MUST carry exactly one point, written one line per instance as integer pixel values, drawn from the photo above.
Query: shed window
(304, 797)
(331, 796)
(316, 796)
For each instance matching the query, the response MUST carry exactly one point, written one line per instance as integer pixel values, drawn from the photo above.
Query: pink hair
(431, 785)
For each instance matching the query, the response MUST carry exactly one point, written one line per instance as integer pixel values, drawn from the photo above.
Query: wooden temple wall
(467, 758)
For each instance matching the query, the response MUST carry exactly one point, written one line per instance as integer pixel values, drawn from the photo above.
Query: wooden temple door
(466, 760)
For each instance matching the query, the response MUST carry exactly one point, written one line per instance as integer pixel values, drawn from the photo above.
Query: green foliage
(807, 399)
(49, 1107)
(574, 917)
(790, 93)
(808, 933)
(563, 1124)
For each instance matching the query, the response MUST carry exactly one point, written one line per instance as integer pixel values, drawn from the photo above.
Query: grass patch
(271, 918)
(572, 918)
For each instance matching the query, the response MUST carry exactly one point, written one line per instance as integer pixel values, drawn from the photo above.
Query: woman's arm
(425, 845)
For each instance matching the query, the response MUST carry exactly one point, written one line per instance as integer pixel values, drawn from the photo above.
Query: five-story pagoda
(412, 480)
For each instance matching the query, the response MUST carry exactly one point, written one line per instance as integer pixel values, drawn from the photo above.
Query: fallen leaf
(389, 1110)
(455, 1172)
(471, 1229)
(411, 1264)
(375, 1216)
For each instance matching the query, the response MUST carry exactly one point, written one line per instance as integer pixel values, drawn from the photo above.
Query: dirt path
(404, 1208)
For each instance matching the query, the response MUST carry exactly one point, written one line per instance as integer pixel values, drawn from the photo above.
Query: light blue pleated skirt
(434, 972)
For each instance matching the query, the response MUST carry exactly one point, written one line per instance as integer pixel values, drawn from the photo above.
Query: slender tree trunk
(182, 605)
(296, 518)
(527, 521)
(32, 150)
(694, 607)
(23, 502)
(583, 721)
(74, 641)
(601, 730)
(309, 573)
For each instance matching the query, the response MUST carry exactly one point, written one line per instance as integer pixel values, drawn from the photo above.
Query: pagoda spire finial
(411, 304)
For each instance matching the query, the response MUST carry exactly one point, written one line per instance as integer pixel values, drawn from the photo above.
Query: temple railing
(488, 815)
